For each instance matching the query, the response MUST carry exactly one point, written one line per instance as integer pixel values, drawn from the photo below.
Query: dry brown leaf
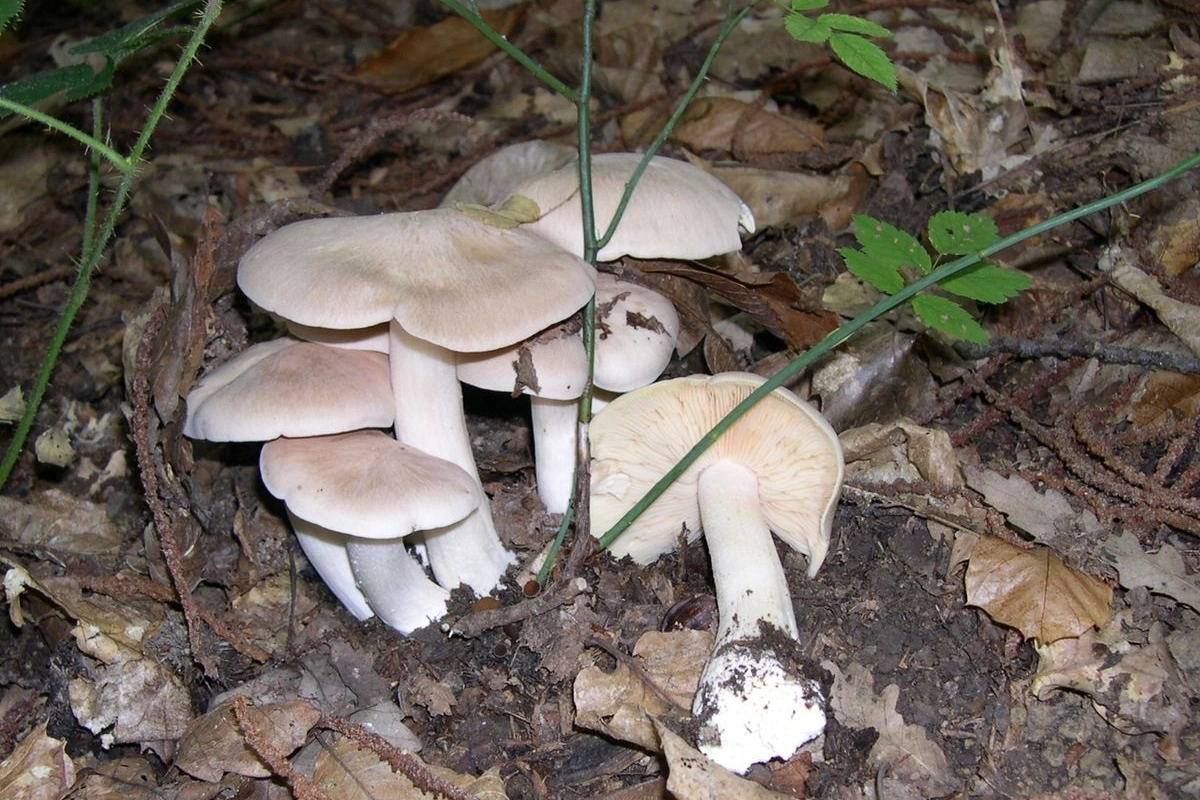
(748, 130)
(674, 661)
(422, 55)
(617, 704)
(1034, 592)
(772, 299)
(215, 743)
(1162, 572)
(37, 769)
(692, 776)
(1136, 688)
(434, 696)
(1165, 396)
(781, 197)
(59, 521)
(346, 770)
(916, 762)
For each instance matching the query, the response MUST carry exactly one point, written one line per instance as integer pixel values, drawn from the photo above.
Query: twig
(477, 622)
(1065, 349)
(634, 667)
(33, 281)
(399, 760)
(303, 786)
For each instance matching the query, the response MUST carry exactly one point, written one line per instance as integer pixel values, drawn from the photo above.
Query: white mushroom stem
(555, 426)
(751, 587)
(395, 584)
(429, 417)
(751, 705)
(326, 551)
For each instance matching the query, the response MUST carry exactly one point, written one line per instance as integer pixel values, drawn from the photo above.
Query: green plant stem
(93, 143)
(839, 336)
(583, 131)
(732, 20)
(95, 246)
(517, 54)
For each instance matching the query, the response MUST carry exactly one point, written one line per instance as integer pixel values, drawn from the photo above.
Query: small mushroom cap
(366, 484)
(446, 277)
(552, 366)
(638, 329)
(285, 387)
(677, 210)
(637, 335)
(641, 435)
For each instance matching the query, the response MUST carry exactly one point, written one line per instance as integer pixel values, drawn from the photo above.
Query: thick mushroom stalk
(429, 417)
(752, 703)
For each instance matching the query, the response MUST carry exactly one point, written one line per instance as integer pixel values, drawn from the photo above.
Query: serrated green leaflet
(806, 29)
(953, 233)
(987, 283)
(889, 245)
(866, 58)
(9, 11)
(808, 5)
(884, 277)
(949, 317)
(849, 24)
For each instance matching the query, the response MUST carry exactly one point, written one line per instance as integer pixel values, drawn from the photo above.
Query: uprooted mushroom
(779, 468)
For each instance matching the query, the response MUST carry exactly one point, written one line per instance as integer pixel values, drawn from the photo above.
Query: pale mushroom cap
(677, 210)
(638, 331)
(641, 435)
(366, 484)
(286, 387)
(551, 366)
(493, 178)
(446, 277)
(374, 338)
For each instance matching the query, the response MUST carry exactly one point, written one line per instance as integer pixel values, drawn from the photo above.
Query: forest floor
(1010, 603)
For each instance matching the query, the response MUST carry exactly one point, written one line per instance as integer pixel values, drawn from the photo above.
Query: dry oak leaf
(37, 769)
(1163, 572)
(1034, 592)
(693, 776)
(215, 744)
(422, 55)
(918, 766)
(346, 770)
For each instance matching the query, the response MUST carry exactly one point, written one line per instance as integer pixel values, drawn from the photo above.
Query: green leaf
(866, 58)
(806, 29)
(987, 283)
(889, 245)
(9, 11)
(80, 81)
(883, 276)
(42, 86)
(808, 5)
(849, 24)
(949, 317)
(953, 233)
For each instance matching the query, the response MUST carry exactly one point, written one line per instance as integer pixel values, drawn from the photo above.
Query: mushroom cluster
(387, 314)
(778, 468)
